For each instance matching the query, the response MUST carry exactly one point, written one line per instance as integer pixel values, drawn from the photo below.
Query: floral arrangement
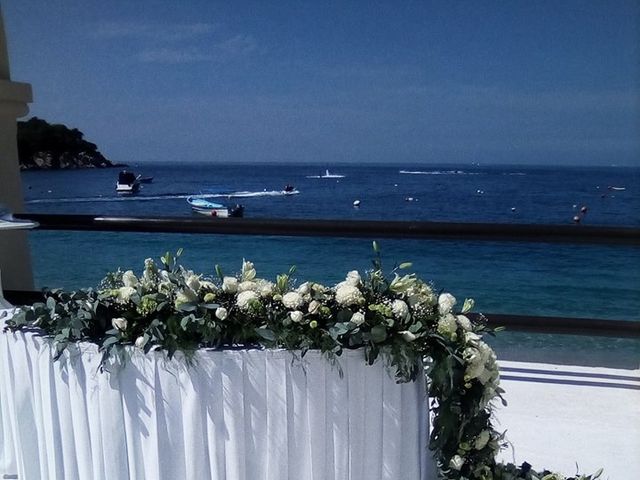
(399, 318)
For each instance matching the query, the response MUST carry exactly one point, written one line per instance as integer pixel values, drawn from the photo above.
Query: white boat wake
(438, 172)
(327, 174)
(143, 198)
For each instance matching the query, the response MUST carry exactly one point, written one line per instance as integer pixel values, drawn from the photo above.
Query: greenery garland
(399, 318)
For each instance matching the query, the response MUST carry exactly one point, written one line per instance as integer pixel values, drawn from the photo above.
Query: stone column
(15, 259)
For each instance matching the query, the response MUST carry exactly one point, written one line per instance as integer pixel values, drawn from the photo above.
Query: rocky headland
(45, 146)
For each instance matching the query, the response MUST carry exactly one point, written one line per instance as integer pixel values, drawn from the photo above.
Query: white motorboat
(205, 207)
(127, 183)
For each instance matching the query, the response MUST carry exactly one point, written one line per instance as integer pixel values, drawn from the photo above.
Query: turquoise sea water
(593, 281)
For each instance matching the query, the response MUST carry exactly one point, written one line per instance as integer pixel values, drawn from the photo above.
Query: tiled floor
(559, 416)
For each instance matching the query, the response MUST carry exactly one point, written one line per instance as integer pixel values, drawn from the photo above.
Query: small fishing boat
(205, 207)
(127, 183)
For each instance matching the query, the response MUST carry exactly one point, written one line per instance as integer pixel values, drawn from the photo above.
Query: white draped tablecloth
(223, 415)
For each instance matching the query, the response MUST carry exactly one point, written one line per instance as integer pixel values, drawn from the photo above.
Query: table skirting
(220, 415)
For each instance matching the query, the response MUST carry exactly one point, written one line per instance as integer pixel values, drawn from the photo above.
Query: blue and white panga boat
(205, 207)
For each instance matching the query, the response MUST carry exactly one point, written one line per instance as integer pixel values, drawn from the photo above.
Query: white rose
(221, 313)
(357, 318)
(314, 307)
(400, 309)
(124, 294)
(456, 462)
(248, 270)
(475, 362)
(407, 336)
(446, 301)
(482, 440)
(304, 289)
(353, 278)
(185, 296)
(119, 323)
(129, 279)
(247, 285)
(292, 300)
(464, 322)
(296, 316)
(230, 284)
(193, 282)
(140, 342)
(245, 298)
(348, 295)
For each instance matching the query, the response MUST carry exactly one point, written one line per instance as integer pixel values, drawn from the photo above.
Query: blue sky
(410, 82)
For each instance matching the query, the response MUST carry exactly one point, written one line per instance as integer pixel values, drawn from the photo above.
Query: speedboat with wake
(127, 183)
(289, 190)
(205, 207)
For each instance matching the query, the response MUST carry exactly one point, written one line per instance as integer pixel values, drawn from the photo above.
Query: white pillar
(15, 259)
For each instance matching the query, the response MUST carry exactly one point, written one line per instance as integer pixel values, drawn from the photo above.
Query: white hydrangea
(247, 285)
(357, 318)
(446, 302)
(230, 284)
(292, 300)
(447, 326)
(296, 316)
(400, 309)
(265, 288)
(129, 279)
(244, 299)
(464, 322)
(348, 295)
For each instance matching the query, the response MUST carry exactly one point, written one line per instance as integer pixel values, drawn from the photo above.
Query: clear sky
(515, 81)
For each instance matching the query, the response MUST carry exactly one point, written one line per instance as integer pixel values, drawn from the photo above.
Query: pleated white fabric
(225, 415)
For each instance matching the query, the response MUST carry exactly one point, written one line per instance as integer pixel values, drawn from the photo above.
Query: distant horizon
(434, 82)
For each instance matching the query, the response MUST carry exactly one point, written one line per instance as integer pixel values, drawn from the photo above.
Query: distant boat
(289, 190)
(146, 179)
(327, 174)
(618, 189)
(127, 183)
(205, 207)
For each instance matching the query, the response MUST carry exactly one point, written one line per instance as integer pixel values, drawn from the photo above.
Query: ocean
(594, 281)
(589, 281)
